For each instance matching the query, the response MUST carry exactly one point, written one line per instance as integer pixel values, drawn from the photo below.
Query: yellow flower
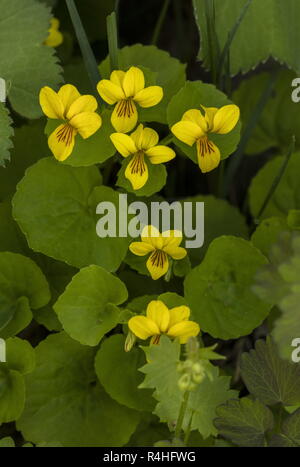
(55, 37)
(125, 89)
(78, 113)
(139, 146)
(160, 320)
(195, 127)
(160, 246)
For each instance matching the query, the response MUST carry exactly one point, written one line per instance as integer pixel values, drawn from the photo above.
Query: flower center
(65, 134)
(137, 165)
(158, 258)
(205, 146)
(125, 108)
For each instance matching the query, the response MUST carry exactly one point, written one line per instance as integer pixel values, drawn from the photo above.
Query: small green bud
(184, 382)
(130, 341)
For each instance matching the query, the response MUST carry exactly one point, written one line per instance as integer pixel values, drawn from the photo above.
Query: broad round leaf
(87, 309)
(65, 402)
(12, 394)
(219, 289)
(55, 206)
(192, 96)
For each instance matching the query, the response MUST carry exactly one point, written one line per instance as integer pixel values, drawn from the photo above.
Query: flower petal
(68, 94)
(141, 248)
(176, 253)
(110, 92)
(150, 96)
(117, 77)
(157, 264)
(187, 132)
(61, 141)
(160, 154)
(124, 117)
(208, 155)
(184, 330)
(137, 171)
(142, 327)
(150, 234)
(195, 116)
(172, 240)
(226, 119)
(134, 81)
(148, 139)
(159, 313)
(179, 314)
(124, 144)
(51, 104)
(86, 123)
(82, 104)
(210, 113)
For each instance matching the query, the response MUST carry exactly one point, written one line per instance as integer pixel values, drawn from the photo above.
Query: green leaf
(269, 378)
(66, 404)
(268, 232)
(87, 308)
(270, 27)
(93, 150)
(122, 383)
(30, 145)
(6, 132)
(7, 443)
(156, 181)
(219, 289)
(290, 432)
(26, 64)
(11, 237)
(12, 394)
(161, 375)
(287, 194)
(65, 229)
(193, 95)
(23, 288)
(20, 355)
(170, 74)
(245, 422)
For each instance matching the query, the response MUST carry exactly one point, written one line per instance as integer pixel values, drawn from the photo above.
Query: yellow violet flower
(139, 146)
(55, 37)
(126, 89)
(160, 320)
(195, 127)
(161, 247)
(78, 113)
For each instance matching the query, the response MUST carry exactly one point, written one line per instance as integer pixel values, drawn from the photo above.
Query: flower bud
(130, 341)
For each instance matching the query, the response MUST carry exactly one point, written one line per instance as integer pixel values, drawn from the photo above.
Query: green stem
(188, 431)
(226, 51)
(112, 37)
(160, 22)
(182, 414)
(238, 156)
(212, 39)
(277, 180)
(86, 50)
(167, 140)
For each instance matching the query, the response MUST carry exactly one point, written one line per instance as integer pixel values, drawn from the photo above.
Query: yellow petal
(160, 154)
(142, 327)
(157, 264)
(117, 77)
(124, 117)
(61, 141)
(51, 104)
(134, 81)
(86, 123)
(179, 314)
(68, 94)
(226, 119)
(187, 132)
(137, 135)
(137, 171)
(208, 155)
(176, 253)
(172, 240)
(110, 92)
(210, 113)
(140, 248)
(82, 104)
(159, 313)
(149, 97)
(195, 116)
(124, 144)
(184, 331)
(147, 139)
(150, 234)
